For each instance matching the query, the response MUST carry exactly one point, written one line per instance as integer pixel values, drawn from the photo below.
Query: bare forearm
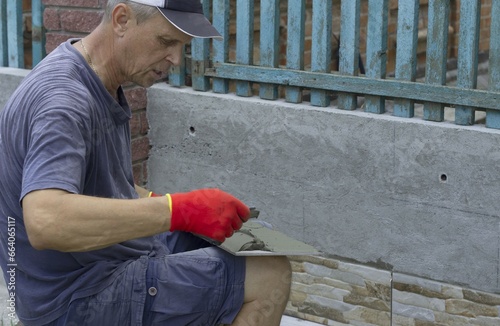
(70, 222)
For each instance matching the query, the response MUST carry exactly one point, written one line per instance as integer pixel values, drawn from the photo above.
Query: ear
(121, 17)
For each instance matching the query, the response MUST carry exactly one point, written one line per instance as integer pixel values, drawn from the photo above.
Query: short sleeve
(56, 151)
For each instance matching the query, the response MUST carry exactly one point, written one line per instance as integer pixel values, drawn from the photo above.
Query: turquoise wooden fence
(210, 68)
(11, 33)
(375, 86)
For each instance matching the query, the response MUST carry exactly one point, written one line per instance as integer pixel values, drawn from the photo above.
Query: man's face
(152, 47)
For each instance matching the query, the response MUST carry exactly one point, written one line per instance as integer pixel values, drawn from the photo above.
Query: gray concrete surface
(408, 195)
(9, 80)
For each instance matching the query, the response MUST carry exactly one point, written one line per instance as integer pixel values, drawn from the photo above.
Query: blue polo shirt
(62, 129)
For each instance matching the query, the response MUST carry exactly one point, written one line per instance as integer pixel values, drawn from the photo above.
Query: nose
(176, 54)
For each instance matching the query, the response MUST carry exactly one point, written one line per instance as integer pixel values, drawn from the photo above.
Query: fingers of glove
(210, 210)
(236, 223)
(223, 203)
(242, 210)
(229, 233)
(217, 235)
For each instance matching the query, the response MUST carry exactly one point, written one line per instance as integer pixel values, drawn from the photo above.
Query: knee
(277, 289)
(284, 269)
(277, 271)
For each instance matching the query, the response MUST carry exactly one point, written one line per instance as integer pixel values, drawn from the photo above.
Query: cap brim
(193, 24)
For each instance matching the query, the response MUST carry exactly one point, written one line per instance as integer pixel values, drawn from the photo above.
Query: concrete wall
(404, 195)
(10, 78)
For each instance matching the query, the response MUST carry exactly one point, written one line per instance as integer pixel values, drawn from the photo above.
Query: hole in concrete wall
(443, 177)
(192, 131)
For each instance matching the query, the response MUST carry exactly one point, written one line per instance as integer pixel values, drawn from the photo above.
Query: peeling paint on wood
(406, 52)
(349, 48)
(295, 45)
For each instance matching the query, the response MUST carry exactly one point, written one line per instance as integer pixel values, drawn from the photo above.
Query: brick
(73, 3)
(136, 97)
(144, 123)
(140, 149)
(135, 125)
(80, 20)
(137, 170)
(139, 123)
(51, 19)
(53, 40)
(145, 171)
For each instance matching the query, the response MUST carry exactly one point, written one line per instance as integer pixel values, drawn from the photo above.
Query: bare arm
(58, 220)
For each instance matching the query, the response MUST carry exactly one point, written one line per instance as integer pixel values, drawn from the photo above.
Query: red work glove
(209, 212)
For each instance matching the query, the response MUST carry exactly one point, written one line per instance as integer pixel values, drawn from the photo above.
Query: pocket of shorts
(180, 300)
(189, 286)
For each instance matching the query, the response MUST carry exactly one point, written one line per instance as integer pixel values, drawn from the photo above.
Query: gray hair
(142, 12)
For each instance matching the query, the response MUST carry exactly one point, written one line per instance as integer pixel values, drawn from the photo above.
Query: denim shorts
(185, 282)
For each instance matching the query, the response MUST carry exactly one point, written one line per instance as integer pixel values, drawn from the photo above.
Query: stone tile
(470, 309)
(293, 321)
(332, 273)
(412, 311)
(452, 320)
(481, 297)
(369, 316)
(428, 285)
(398, 320)
(336, 283)
(368, 273)
(485, 321)
(418, 300)
(452, 292)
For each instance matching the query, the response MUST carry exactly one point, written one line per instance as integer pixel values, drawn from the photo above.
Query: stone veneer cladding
(334, 292)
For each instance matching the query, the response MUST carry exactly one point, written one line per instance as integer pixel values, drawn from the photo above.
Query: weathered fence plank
(37, 31)
(349, 48)
(437, 50)
(406, 52)
(200, 58)
(15, 31)
(221, 10)
(244, 42)
(376, 50)
(3, 34)
(470, 13)
(493, 116)
(295, 45)
(321, 51)
(390, 88)
(269, 43)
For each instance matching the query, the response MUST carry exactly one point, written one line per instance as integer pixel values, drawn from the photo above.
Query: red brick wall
(65, 19)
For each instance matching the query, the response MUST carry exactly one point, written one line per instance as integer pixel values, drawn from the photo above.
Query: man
(90, 247)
